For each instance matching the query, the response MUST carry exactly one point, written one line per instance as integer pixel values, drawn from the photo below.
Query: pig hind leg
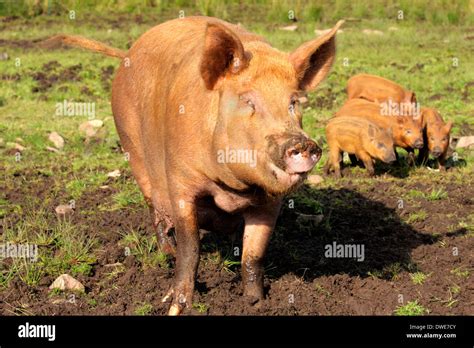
(187, 256)
(354, 160)
(131, 142)
(335, 159)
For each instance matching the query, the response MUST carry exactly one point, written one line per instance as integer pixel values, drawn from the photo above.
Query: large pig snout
(301, 155)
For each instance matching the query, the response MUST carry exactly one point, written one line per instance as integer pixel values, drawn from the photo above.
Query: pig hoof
(252, 300)
(178, 302)
(174, 310)
(168, 297)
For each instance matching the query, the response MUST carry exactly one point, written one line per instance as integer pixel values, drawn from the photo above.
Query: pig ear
(223, 54)
(313, 59)
(411, 97)
(448, 126)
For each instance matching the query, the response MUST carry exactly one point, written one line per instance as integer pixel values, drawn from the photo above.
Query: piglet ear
(448, 126)
(410, 97)
(313, 59)
(223, 54)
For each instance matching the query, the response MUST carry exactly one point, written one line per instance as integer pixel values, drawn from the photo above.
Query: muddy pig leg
(423, 155)
(367, 160)
(442, 161)
(187, 256)
(259, 224)
(163, 227)
(354, 160)
(335, 159)
(411, 156)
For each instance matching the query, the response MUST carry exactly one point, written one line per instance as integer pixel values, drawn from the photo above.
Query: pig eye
(445, 139)
(408, 131)
(380, 146)
(292, 107)
(247, 101)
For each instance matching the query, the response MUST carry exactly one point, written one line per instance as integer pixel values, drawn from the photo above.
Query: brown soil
(296, 266)
(49, 75)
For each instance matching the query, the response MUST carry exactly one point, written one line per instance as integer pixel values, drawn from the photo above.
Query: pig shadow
(349, 218)
(300, 240)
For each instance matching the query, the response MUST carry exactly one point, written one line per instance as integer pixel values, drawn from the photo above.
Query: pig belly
(212, 218)
(231, 201)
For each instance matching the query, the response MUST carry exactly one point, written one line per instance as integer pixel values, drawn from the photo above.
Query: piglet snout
(301, 157)
(418, 144)
(436, 152)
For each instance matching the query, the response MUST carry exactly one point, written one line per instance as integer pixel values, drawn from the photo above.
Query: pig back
(374, 88)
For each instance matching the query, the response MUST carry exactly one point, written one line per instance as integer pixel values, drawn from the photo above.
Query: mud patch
(300, 280)
(49, 76)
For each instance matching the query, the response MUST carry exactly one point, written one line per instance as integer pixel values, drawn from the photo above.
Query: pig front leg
(368, 163)
(411, 160)
(187, 257)
(442, 162)
(423, 155)
(259, 224)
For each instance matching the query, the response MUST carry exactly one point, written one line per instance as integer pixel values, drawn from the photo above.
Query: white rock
(96, 123)
(393, 28)
(114, 174)
(16, 146)
(303, 100)
(66, 282)
(320, 32)
(289, 27)
(465, 141)
(57, 140)
(372, 32)
(64, 209)
(89, 128)
(314, 179)
(52, 149)
(309, 218)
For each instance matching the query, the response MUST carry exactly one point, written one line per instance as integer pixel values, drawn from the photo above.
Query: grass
(143, 309)
(412, 308)
(418, 216)
(145, 249)
(201, 307)
(418, 278)
(437, 13)
(436, 195)
(461, 273)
